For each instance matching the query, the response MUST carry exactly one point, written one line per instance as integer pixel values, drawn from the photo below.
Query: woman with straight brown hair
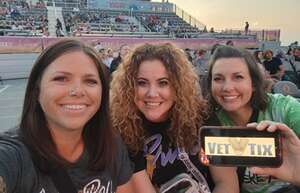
(65, 142)
(238, 97)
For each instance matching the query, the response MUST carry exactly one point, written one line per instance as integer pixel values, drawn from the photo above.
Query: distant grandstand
(125, 19)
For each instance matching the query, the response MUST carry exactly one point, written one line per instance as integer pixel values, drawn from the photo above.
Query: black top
(115, 63)
(166, 162)
(21, 175)
(273, 65)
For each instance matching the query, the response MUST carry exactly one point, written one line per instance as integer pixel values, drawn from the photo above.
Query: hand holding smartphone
(241, 146)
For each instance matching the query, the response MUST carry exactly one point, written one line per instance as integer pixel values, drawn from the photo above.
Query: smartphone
(241, 146)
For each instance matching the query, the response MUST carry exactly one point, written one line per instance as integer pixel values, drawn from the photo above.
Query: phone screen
(237, 146)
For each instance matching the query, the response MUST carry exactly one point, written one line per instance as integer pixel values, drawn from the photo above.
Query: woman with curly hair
(157, 106)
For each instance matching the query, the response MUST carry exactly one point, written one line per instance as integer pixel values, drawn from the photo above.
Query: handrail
(188, 18)
(261, 34)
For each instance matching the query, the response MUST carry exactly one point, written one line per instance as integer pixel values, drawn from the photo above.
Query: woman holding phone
(237, 97)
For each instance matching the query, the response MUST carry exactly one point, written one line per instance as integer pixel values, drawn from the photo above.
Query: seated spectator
(273, 65)
(118, 19)
(15, 13)
(297, 54)
(258, 55)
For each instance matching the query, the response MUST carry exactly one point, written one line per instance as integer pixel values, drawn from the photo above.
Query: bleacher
(78, 20)
(150, 20)
(18, 18)
(96, 21)
(165, 22)
(118, 22)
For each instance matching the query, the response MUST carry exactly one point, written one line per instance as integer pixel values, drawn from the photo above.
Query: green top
(284, 109)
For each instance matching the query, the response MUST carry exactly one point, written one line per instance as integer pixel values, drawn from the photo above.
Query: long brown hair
(97, 133)
(259, 97)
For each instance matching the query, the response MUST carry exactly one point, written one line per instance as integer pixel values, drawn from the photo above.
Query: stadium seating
(96, 21)
(286, 88)
(165, 22)
(18, 18)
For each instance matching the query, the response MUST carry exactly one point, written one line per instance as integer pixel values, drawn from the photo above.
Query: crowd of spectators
(273, 66)
(20, 17)
(93, 21)
(77, 21)
(167, 23)
(200, 58)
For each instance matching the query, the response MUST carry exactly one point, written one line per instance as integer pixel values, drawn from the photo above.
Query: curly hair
(189, 109)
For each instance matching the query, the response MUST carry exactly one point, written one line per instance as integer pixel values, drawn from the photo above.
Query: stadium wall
(37, 44)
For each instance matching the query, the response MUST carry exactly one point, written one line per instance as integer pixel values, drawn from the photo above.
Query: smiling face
(154, 95)
(231, 85)
(70, 91)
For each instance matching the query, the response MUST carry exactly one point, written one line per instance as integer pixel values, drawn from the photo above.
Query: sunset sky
(261, 14)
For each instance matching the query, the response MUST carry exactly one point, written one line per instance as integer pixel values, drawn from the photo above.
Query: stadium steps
(53, 13)
(135, 21)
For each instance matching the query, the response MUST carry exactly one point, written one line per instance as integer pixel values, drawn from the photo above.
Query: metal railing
(76, 4)
(261, 34)
(188, 18)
